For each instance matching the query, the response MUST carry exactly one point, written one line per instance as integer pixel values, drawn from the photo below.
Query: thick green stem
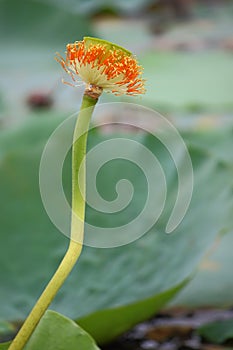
(77, 225)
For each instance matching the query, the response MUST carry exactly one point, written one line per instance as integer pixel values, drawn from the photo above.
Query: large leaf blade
(103, 279)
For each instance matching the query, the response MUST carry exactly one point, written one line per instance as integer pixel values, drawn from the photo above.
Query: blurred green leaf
(6, 327)
(216, 142)
(106, 325)
(33, 24)
(92, 7)
(183, 79)
(212, 286)
(218, 331)
(104, 279)
(4, 346)
(214, 272)
(58, 332)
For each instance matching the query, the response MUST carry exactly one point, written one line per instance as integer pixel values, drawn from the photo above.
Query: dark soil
(172, 330)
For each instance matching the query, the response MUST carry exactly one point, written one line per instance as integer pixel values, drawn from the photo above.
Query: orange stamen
(112, 63)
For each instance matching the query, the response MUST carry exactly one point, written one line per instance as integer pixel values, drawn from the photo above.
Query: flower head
(103, 65)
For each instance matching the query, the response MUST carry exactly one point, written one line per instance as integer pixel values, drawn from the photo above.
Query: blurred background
(186, 49)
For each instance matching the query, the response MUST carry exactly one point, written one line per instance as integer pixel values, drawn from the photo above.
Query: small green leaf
(218, 331)
(56, 331)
